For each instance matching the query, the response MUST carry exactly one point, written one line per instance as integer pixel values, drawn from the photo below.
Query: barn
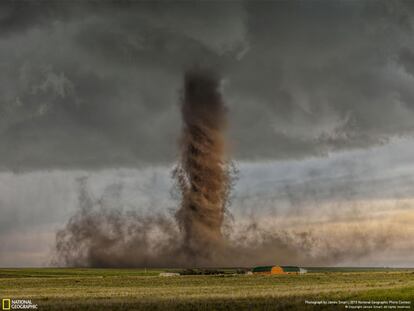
(277, 270)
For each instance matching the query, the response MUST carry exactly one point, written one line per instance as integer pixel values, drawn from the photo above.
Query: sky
(321, 118)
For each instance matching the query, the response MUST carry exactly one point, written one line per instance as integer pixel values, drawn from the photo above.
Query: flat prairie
(144, 289)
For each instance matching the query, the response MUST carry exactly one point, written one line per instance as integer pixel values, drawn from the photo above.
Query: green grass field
(139, 289)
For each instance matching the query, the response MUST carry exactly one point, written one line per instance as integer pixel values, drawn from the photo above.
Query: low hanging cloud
(92, 85)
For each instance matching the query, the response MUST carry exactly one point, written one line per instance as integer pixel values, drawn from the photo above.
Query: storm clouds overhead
(85, 84)
(320, 97)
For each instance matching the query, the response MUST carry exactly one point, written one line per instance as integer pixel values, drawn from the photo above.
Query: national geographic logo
(17, 304)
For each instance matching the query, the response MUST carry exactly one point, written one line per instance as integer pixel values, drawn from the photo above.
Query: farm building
(278, 270)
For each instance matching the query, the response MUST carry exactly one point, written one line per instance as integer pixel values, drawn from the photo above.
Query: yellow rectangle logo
(5, 304)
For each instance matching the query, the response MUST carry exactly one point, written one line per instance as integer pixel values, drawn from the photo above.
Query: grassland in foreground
(139, 289)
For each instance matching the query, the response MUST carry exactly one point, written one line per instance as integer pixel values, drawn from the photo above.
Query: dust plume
(102, 235)
(202, 174)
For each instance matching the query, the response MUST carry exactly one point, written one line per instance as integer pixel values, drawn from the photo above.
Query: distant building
(278, 270)
(169, 274)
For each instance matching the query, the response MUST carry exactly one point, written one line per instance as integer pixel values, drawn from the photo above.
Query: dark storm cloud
(95, 84)
(17, 16)
(323, 76)
(101, 88)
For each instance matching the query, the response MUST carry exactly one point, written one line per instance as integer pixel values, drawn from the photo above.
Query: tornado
(99, 234)
(203, 170)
